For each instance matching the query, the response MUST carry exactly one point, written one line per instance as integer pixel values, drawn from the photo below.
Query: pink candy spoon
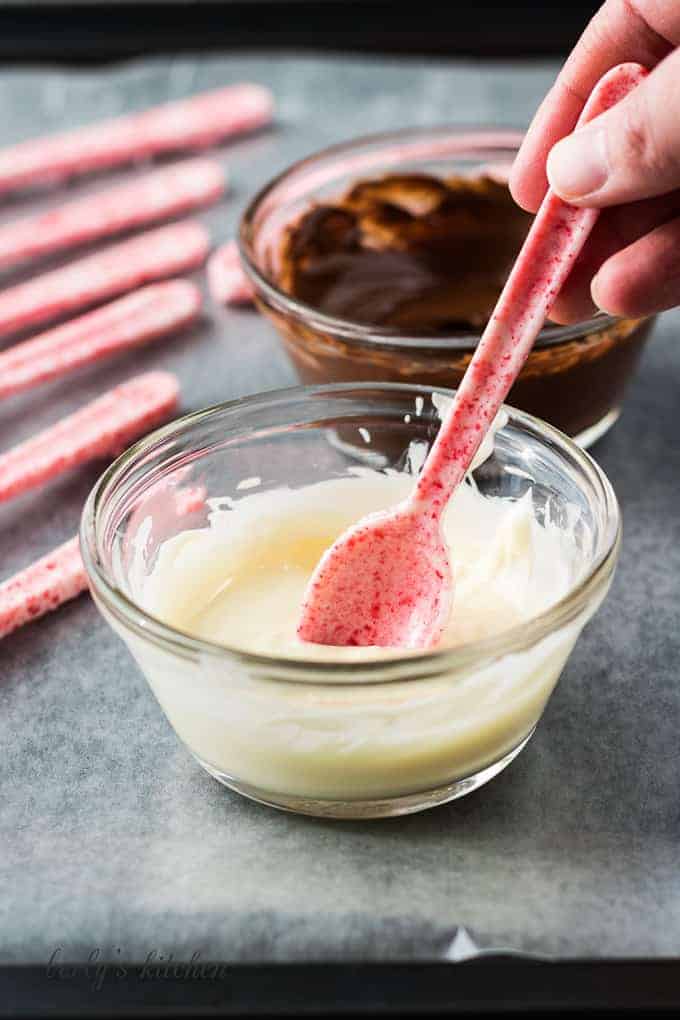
(387, 580)
(102, 428)
(42, 587)
(123, 325)
(121, 267)
(227, 282)
(151, 197)
(191, 123)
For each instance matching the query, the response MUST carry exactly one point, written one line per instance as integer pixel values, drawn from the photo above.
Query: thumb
(628, 153)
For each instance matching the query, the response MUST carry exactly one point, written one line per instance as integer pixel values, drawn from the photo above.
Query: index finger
(619, 32)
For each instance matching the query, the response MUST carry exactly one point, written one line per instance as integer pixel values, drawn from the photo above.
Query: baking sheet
(114, 840)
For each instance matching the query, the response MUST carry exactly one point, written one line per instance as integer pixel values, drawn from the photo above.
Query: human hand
(627, 162)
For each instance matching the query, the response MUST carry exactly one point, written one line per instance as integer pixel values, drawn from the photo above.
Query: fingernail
(577, 166)
(594, 287)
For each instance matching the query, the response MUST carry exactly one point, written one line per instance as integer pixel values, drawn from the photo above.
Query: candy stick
(196, 122)
(151, 197)
(60, 576)
(138, 318)
(227, 282)
(42, 587)
(119, 268)
(101, 428)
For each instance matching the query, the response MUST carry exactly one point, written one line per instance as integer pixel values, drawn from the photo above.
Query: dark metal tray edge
(492, 986)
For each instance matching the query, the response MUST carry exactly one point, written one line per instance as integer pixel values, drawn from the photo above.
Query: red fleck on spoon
(387, 580)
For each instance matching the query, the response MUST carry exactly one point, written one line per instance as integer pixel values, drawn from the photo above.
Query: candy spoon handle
(552, 245)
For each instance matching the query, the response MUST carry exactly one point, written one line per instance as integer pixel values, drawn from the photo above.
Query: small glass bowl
(347, 740)
(575, 376)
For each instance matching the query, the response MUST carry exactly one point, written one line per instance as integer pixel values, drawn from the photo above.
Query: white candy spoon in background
(387, 580)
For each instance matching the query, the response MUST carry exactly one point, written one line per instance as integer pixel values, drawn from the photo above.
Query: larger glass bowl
(576, 375)
(358, 739)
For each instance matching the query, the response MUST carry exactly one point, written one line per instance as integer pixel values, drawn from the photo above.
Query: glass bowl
(352, 739)
(575, 376)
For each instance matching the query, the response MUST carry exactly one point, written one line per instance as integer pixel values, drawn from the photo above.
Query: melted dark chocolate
(409, 251)
(429, 257)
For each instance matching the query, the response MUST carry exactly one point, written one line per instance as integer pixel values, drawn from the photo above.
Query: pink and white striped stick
(227, 282)
(129, 322)
(42, 587)
(115, 270)
(191, 123)
(101, 428)
(155, 196)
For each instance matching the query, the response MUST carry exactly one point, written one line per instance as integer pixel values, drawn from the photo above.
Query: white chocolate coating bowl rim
(399, 667)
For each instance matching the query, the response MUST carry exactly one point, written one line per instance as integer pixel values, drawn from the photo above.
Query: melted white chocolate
(240, 582)
(351, 736)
